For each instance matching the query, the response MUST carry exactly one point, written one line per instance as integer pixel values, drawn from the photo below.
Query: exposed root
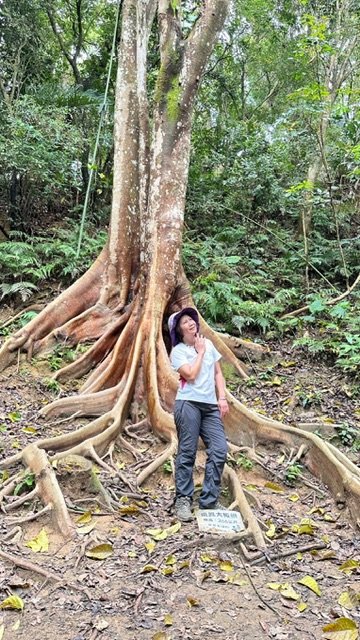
(99, 461)
(138, 357)
(29, 566)
(34, 515)
(90, 404)
(79, 297)
(25, 498)
(298, 455)
(48, 489)
(108, 376)
(10, 484)
(323, 460)
(225, 351)
(159, 460)
(271, 557)
(241, 347)
(11, 320)
(128, 447)
(95, 374)
(243, 506)
(96, 353)
(13, 536)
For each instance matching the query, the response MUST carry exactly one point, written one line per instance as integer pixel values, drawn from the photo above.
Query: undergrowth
(26, 263)
(245, 280)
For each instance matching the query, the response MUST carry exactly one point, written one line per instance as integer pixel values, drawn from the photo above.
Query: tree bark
(121, 303)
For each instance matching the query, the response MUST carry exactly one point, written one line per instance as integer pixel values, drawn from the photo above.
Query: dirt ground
(161, 582)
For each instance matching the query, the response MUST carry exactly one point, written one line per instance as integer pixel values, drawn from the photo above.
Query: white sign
(219, 521)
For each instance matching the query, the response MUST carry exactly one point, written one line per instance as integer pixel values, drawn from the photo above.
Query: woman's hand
(200, 344)
(223, 407)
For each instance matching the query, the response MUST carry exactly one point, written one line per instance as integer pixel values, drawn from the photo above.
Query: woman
(199, 407)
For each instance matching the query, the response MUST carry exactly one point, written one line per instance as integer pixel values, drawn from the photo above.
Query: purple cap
(174, 319)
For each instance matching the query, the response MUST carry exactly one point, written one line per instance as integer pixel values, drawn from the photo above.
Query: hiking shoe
(183, 509)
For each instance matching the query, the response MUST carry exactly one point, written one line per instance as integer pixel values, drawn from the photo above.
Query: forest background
(271, 244)
(272, 213)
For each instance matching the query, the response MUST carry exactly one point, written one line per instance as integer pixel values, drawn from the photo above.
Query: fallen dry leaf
(349, 599)
(12, 602)
(192, 602)
(310, 583)
(100, 552)
(341, 629)
(40, 543)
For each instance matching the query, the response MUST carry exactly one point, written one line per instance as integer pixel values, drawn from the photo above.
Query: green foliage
(51, 385)
(26, 483)
(24, 289)
(254, 136)
(292, 474)
(43, 148)
(235, 285)
(167, 467)
(256, 314)
(244, 462)
(335, 330)
(61, 354)
(348, 352)
(29, 262)
(349, 436)
(19, 323)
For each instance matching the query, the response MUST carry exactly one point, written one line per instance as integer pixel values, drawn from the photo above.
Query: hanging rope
(101, 120)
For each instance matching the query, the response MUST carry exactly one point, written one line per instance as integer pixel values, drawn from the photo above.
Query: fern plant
(26, 263)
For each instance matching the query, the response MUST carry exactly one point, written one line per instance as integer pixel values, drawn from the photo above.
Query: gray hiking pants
(194, 419)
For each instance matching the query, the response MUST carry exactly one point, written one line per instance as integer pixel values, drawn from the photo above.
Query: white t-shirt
(202, 389)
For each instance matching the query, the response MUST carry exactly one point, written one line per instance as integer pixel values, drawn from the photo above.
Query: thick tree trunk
(122, 301)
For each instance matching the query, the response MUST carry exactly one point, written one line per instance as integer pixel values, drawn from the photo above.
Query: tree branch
(71, 61)
(80, 29)
(198, 49)
(297, 312)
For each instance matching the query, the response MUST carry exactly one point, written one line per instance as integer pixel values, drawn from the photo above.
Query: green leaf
(317, 306)
(285, 589)
(14, 416)
(168, 620)
(226, 565)
(85, 518)
(349, 599)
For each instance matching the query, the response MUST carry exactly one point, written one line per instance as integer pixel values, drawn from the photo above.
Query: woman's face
(187, 328)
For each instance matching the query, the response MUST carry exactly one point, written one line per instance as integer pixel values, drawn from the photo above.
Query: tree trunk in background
(336, 71)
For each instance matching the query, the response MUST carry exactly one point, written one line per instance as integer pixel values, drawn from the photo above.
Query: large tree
(121, 303)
